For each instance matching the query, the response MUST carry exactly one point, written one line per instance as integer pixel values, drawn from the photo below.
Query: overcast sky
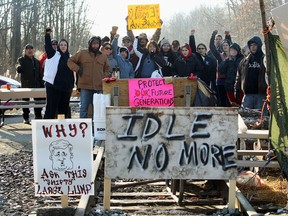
(106, 14)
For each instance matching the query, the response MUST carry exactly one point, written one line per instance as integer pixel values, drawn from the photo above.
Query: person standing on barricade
(91, 66)
(59, 79)
(29, 68)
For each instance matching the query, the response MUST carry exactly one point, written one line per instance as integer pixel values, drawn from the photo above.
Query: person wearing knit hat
(164, 41)
(91, 66)
(169, 57)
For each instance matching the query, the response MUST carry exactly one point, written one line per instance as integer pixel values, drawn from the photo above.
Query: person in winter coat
(29, 69)
(59, 79)
(91, 66)
(187, 64)
(150, 59)
(251, 76)
(229, 70)
(122, 56)
(43, 57)
(107, 49)
(208, 63)
(169, 56)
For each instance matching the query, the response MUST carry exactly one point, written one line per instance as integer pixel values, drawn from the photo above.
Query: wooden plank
(257, 134)
(139, 194)
(163, 201)
(17, 93)
(246, 163)
(107, 193)
(207, 209)
(180, 84)
(255, 152)
(81, 208)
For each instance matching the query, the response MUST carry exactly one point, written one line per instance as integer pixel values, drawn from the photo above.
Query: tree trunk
(16, 47)
(266, 39)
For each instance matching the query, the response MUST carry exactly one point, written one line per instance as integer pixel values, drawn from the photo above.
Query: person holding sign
(150, 59)
(187, 64)
(122, 56)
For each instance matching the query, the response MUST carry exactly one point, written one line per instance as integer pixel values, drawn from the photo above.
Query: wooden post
(266, 38)
(107, 193)
(232, 194)
(64, 198)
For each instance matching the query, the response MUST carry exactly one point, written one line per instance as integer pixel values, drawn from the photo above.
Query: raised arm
(192, 42)
(48, 44)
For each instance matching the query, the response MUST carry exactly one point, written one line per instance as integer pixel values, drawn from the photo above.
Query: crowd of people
(236, 75)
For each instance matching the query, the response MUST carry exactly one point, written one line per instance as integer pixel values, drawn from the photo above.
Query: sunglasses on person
(200, 48)
(54, 44)
(107, 48)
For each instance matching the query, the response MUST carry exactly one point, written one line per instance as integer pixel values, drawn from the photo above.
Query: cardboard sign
(150, 93)
(62, 157)
(164, 143)
(144, 16)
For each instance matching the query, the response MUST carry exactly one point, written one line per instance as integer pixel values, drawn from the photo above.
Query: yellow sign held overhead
(144, 16)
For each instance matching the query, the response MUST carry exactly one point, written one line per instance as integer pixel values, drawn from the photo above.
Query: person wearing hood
(92, 67)
(187, 63)
(169, 56)
(250, 77)
(150, 59)
(122, 56)
(228, 68)
(59, 79)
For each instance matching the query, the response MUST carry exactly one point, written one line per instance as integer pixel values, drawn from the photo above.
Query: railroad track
(152, 197)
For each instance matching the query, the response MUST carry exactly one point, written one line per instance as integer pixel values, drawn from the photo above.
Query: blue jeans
(86, 98)
(254, 101)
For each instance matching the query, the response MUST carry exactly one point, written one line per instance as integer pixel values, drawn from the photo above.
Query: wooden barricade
(184, 95)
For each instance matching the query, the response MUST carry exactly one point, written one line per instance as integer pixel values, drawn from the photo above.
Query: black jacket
(29, 68)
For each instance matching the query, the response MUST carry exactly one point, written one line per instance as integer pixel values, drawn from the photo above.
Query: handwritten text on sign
(144, 16)
(62, 151)
(182, 143)
(150, 93)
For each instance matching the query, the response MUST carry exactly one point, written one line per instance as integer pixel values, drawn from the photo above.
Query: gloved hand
(169, 64)
(80, 71)
(215, 32)
(48, 30)
(108, 80)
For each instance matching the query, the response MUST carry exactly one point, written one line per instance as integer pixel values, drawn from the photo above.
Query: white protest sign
(62, 157)
(163, 143)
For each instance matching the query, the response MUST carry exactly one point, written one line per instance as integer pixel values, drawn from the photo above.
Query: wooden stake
(266, 38)
(64, 198)
(107, 193)
(232, 194)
